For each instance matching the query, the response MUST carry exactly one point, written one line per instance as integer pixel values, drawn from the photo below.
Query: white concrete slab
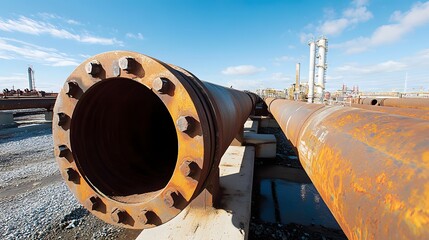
(265, 144)
(251, 126)
(231, 220)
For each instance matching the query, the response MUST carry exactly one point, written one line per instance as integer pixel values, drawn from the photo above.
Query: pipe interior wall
(371, 168)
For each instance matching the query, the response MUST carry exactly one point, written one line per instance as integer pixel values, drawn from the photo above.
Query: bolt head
(184, 123)
(93, 67)
(71, 174)
(143, 217)
(92, 202)
(188, 168)
(71, 88)
(125, 63)
(118, 215)
(64, 151)
(161, 85)
(62, 119)
(169, 198)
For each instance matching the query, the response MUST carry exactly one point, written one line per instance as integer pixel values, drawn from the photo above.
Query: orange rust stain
(381, 179)
(393, 203)
(425, 156)
(417, 217)
(358, 188)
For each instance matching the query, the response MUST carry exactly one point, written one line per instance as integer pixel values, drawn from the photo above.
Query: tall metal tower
(31, 81)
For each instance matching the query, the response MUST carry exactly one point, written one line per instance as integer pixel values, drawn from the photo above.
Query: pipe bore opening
(124, 140)
(374, 102)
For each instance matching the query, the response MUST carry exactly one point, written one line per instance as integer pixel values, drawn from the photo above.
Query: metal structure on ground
(371, 168)
(137, 139)
(27, 102)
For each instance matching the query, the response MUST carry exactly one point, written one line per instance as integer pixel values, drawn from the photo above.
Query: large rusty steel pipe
(136, 139)
(409, 112)
(24, 103)
(417, 103)
(371, 168)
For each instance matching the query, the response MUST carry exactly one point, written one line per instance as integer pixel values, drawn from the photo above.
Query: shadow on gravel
(77, 213)
(23, 132)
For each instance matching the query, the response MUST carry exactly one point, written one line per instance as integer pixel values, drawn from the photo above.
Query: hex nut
(188, 168)
(72, 88)
(184, 123)
(92, 203)
(64, 151)
(161, 85)
(125, 63)
(93, 67)
(72, 175)
(170, 198)
(62, 119)
(118, 215)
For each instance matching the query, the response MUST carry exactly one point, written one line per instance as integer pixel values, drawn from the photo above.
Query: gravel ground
(35, 201)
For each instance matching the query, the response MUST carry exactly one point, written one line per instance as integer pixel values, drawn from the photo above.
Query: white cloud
(245, 84)
(31, 26)
(350, 17)
(278, 76)
(359, 3)
(383, 67)
(406, 22)
(73, 22)
(16, 79)
(334, 27)
(243, 70)
(49, 16)
(138, 36)
(305, 37)
(15, 49)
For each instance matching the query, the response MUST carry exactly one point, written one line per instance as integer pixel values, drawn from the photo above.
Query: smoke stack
(30, 79)
(297, 80)
(311, 71)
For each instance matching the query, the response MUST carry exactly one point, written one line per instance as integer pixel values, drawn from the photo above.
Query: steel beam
(24, 103)
(137, 139)
(371, 168)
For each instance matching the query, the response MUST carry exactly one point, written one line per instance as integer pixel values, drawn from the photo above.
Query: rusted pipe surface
(24, 103)
(418, 103)
(136, 139)
(371, 168)
(408, 112)
(371, 101)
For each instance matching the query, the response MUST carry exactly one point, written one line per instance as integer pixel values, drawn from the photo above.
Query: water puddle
(283, 201)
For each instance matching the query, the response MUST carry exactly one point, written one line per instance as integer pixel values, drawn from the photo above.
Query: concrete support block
(239, 139)
(49, 115)
(251, 126)
(265, 144)
(231, 219)
(265, 121)
(6, 120)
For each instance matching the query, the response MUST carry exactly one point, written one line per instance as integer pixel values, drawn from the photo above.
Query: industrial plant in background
(314, 89)
(27, 92)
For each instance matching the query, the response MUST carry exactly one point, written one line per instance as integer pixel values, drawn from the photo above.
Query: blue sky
(375, 44)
